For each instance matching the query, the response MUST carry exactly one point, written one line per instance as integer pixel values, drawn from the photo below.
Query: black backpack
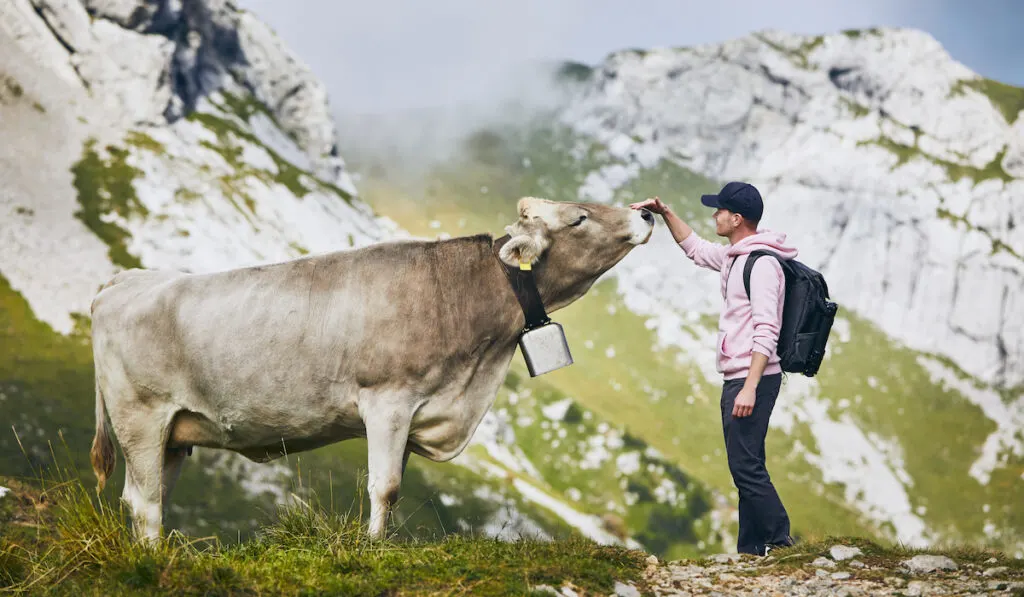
(807, 314)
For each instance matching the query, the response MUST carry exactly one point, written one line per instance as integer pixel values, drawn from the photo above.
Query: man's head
(570, 244)
(738, 209)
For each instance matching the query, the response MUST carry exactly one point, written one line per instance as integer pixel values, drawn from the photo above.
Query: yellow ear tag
(523, 265)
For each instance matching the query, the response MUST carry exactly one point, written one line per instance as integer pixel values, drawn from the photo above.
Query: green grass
(858, 110)
(997, 244)
(858, 33)
(229, 137)
(46, 383)
(665, 509)
(230, 133)
(57, 538)
(1009, 100)
(954, 171)
(798, 55)
(105, 185)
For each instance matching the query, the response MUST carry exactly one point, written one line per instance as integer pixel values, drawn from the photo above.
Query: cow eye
(579, 221)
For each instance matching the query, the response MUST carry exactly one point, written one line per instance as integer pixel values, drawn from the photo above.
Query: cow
(404, 343)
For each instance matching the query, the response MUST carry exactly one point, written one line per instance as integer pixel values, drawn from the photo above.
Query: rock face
(896, 171)
(151, 62)
(141, 86)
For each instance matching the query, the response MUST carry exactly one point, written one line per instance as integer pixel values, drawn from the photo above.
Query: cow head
(569, 245)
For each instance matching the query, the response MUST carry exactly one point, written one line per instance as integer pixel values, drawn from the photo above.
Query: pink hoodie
(746, 326)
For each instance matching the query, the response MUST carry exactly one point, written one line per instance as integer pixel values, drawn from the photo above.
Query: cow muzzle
(641, 226)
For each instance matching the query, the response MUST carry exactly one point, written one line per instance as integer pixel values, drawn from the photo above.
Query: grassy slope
(905, 405)
(65, 542)
(57, 538)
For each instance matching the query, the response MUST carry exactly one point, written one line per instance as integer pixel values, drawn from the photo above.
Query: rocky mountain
(184, 134)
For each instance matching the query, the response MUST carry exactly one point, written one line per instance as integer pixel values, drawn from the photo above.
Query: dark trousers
(763, 519)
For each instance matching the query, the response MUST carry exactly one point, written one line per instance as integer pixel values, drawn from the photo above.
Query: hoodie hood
(763, 239)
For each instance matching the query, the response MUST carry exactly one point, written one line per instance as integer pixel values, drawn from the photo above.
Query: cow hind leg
(387, 432)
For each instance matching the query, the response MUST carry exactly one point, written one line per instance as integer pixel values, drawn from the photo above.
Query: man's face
(726, 221)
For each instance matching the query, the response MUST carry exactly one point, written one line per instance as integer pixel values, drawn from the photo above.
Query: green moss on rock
(858, 110)
(287, 174)
(956, 172)
(997, 244)
(144, 141)
(1009, 100)
(105, 185)
(798, 55)
(9, 87)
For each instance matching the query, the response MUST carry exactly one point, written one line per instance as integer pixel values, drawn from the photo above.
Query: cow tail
(102, 454)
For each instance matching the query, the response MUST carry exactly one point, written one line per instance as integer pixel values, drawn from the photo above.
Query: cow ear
(521, 248)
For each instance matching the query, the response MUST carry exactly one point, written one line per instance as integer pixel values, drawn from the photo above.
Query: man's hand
(654, 204)
(744, 403)
(679, 229)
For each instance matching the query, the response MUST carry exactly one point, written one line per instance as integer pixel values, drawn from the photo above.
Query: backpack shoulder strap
(748, 267)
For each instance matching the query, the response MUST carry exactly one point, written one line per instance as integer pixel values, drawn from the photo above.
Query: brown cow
(403, 343)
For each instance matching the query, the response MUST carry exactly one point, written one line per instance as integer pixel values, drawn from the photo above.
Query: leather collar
(524, 285)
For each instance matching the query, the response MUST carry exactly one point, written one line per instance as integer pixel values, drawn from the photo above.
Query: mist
(414, 77)
(411, 79)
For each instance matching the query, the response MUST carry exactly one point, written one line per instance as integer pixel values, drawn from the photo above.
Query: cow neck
(524, 286)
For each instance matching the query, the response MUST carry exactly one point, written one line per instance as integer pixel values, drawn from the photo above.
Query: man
(747, 336)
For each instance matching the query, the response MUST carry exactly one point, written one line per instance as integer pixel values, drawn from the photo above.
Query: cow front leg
(386, 437)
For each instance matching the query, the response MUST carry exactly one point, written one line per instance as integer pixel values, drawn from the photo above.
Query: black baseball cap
(737, 197)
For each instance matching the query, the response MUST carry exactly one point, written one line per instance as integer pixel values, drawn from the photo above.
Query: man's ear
(521, 248)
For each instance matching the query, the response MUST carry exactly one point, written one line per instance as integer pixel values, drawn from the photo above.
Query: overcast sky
(384, 55)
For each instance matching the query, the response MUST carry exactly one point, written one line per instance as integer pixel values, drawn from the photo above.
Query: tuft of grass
(79, 544)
